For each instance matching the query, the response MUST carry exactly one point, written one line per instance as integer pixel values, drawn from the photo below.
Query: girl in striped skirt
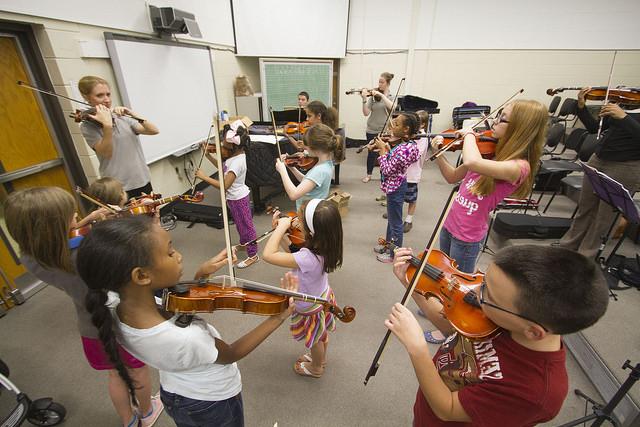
(321, 254)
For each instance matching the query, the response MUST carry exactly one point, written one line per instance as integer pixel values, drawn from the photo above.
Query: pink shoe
(156, 409)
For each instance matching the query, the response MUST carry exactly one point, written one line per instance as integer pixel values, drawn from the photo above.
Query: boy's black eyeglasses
(485, 302)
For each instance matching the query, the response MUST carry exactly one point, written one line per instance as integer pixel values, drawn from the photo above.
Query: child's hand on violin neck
(290, 283)
(401, 258)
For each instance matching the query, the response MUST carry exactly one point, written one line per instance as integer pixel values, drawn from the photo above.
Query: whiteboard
(282, 79)
(291, 28)
(169, 84)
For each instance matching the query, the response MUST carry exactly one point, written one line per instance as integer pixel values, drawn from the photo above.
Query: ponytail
(102, 320)
(337, 148)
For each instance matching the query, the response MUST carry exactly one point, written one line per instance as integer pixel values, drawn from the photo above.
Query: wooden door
(28, 153)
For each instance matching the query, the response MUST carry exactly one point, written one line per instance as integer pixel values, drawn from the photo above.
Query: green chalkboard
(282, 81)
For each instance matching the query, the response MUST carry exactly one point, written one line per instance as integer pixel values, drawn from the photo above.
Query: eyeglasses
(485, 302)
(500, 119)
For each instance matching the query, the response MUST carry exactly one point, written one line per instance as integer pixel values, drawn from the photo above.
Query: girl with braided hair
(199, 379)
(39, 219)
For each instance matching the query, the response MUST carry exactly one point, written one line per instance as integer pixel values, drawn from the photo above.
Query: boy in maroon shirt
(516, 377)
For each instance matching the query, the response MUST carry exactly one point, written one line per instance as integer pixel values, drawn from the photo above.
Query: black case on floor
(523, 226)
(195, 212)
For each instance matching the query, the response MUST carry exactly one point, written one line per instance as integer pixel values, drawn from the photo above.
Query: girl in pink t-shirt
(321, 255)
(520, 129)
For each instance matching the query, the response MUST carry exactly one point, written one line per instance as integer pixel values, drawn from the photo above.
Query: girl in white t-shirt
(234, 144)
(321, 254)
(199, 379)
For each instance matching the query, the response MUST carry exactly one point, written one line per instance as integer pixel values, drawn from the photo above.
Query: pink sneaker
(156, 409)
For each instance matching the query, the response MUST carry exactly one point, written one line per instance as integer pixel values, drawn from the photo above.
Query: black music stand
(614, 194)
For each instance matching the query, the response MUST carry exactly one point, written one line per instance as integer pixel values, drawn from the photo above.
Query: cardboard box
(341, 200)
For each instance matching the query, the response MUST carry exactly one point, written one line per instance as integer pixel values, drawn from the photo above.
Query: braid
(102, 320)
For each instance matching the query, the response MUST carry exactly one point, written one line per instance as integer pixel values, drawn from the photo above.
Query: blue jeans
(372, 156)
(203, 413)
(395, 201)
(464, 253)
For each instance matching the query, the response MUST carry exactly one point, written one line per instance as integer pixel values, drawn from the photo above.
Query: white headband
(309, 211)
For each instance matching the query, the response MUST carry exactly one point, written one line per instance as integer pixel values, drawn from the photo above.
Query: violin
(376, 97)
(452, 142)
(456, 291)
(138, 208)
(292, 128)
(220, 293)
(619, 95)
(226, 152)
(304, 162)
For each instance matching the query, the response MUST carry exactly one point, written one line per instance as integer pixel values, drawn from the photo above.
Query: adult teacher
(113, 134)
(376, 105)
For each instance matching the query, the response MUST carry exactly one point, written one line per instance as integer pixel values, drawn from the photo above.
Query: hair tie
(232, 136)
(309, 211)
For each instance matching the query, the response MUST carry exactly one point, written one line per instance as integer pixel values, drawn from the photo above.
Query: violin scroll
(346, 315)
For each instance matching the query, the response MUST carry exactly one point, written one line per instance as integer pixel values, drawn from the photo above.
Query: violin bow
(484, 118)
(204, 152)
(57, 95)
(275, 132)
(223, 198)
(375, 364)
(606, 97)
(386, 122)
(95, 201)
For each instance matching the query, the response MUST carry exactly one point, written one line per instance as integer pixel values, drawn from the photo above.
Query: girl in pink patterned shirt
(394, 163)
(520, 129)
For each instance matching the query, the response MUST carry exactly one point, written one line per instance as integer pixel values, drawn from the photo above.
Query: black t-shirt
(621, 139)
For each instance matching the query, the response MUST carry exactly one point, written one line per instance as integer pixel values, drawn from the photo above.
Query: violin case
(523, 226)
(195, 212)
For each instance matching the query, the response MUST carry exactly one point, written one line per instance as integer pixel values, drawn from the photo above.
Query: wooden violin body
(485, 141)
(208, 296)
(139, 208)
(368, 92)
(296, 235)
(291, 128)
(620, 95)
(304, 162)
(80, 231)
(456, 291)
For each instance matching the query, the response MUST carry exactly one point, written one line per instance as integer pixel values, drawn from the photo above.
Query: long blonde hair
(524, 139)
(39, 219)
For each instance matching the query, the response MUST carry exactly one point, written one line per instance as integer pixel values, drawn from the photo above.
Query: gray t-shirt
(127, 164)
(378, 114)
(69, 283)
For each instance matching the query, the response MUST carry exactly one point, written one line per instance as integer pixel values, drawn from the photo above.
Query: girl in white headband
(321, 254)
(235, 141)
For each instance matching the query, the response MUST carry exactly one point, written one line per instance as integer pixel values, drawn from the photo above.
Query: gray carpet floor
(38, 340)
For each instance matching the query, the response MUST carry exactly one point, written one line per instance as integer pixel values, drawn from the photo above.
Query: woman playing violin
(617, 155)
(376, 105)
(520, 130)
(113, 134)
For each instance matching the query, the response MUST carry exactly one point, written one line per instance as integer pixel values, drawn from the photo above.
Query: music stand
(614, 194)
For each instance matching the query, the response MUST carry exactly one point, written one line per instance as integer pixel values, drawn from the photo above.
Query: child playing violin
(321, 255)
(414, 173)
(520, 129)
(321, 142)
(39, 219)
(235, 142)
(199, 378)
(394, 163)
(517, 376)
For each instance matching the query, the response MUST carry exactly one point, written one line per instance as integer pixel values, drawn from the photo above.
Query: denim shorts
(188, 412)
(411, 195)
(464, 253)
